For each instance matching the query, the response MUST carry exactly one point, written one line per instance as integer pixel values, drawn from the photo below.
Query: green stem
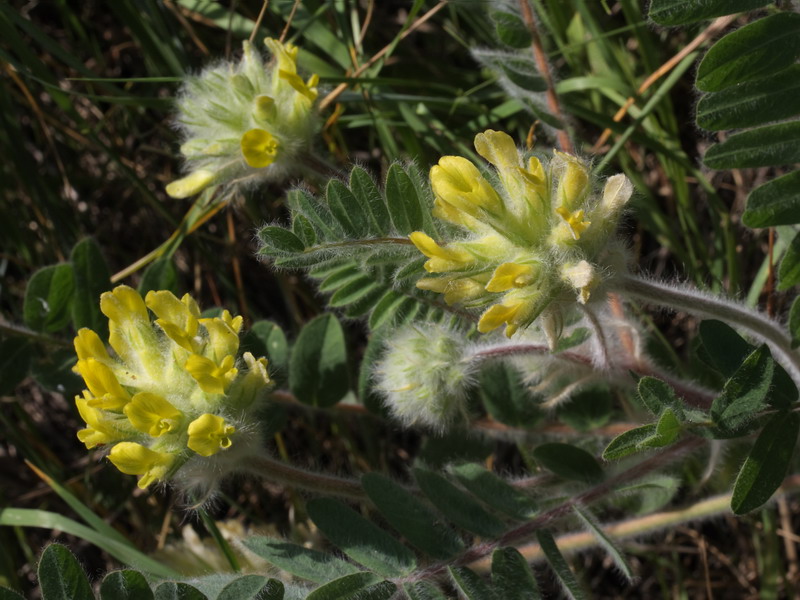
(706, 305)
(273, 470)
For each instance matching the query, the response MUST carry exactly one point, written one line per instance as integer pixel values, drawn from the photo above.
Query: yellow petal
(498, 148)
(496, 315)
(294, 80)
(177, 318)
(123, 304)
(574, 221)
(135, 459)
(89, 345)
(194, 183)
(259, 148)
(102, 383)
(442, 259)
(285, 54)
(152, 414)
(100, 429)
(510, 275)
(459, 182)
(222, 339)
(208, 434)
(212, 378)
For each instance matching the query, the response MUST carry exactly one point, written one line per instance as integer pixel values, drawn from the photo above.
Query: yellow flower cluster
(536, 235)
(245, 122)
(174, 388)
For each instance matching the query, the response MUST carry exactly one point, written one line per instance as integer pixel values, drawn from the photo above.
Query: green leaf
(160, 275)
(248, 587)
(386, 309)
(344, 206)
(777, 202)
(125, 585)
(403, 201)
(92, 278)
(414, 519)
(371, 399)
(522, 71)
(667, 430)
(174, 590)
(610, 546)
(569, 462)
(494, 491)
(370, 200)
(360, 539)
(53, 371)
(304, 230)
(505, 397)
(61, 577)
(559, 565)
(767, 464)
(278, 241)
(752, 103)
(772, 145)
(48, 298)
(421, 590)
(656, 395)
(318, 366)
(627, 443)
(794, 322)
(512, 576)
(762, 48)
(745, 392)
(265, 338)
(789, 270)
(346, 588)
(682, 12)
(353, 291)
(15, 360)
(724, 350)
(7, 594)
(511, 29)
(297, 560)
(456, 505)
(301, 202)
(469, 583)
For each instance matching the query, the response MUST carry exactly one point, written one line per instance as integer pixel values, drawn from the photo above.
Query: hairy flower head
(174, 390)
(245, 122)
(424, 376)
(533, 238)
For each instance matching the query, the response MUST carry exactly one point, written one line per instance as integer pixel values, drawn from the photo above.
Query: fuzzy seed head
(424, 376)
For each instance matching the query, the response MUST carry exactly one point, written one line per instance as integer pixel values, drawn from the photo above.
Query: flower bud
(424, 376)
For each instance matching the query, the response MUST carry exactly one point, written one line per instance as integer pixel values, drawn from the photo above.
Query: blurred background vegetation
(87, 144)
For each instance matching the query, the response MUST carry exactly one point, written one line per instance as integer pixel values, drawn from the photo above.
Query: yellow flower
(152, 414)
(511, 275)
(528, 241)
(166, 375)
(89, 345)
(102, 383)
(212, 378)
(441, 259)
(135, 459)
(574, 221)
(259, 148)
(100, 428)
(177, 318)
(499, 314)
(208, 434)
(457, 181)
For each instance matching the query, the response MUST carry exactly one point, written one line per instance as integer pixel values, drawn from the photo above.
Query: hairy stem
(274, 470)
(703, 304)
(545, 519)
(691, 392)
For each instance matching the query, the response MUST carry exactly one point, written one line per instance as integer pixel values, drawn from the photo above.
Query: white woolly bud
(424, 376)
